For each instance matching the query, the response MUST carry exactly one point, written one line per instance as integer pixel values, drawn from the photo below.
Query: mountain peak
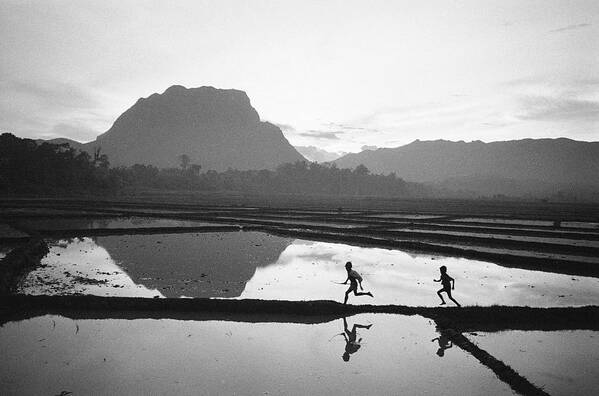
(216, 128)
(174, 89)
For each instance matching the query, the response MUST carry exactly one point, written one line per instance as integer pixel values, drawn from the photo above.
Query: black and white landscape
(299, 197)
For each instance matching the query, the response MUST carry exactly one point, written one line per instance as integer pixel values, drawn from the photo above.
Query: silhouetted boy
(354, 278)
(448, 284)
(351, 345)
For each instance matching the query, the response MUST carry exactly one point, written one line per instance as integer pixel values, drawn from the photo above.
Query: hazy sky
(334, 74)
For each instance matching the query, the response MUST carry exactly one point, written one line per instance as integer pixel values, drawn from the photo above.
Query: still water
(366, 355)
(565, 362)
(263, 266)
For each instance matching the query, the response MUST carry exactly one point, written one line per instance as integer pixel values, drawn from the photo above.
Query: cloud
(542, 98)
(570, 27)
(350, 128)
(56, 95)
(285, 127)
(367, 147)
(541, 84)
(43, 109)
(344, 126)
(496, 124)
(544, 108)
(317, 134)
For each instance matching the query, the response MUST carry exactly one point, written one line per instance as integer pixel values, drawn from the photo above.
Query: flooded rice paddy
(494, 229)
(504, 221)
(556, 240)
(405, 216)
(368, 354)
(381, 354)
(7, 231)
(263, 266)
(524, 253)
(580, 224)
(561, 362)
(297, 222)
(118, 222)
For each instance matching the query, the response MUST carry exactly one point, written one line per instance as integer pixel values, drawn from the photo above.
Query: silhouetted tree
(184, 161)
(361, 170)
(195, 169)
(100, 160)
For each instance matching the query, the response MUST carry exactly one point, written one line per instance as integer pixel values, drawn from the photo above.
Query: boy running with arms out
(448, 284)
(354, 278)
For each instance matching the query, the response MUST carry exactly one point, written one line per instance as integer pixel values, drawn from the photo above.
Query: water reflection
(263, 266)
(47, 355)
(351, 345)
(216, 264)
(80, 266)
(565, 362)
(444, 343)
(310, 270)
(170, 265)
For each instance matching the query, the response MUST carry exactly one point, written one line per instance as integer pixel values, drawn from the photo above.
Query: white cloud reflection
(308, 270)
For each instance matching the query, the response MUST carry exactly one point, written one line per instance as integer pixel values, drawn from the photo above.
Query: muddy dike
(19, 262)
(18, 307)
(501, 318)
(505, 373)
(495, 318)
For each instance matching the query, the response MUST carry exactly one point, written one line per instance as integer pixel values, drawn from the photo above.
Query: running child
(354, 278)
(448, 284)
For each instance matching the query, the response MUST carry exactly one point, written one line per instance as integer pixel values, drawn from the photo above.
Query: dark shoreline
(494, 318)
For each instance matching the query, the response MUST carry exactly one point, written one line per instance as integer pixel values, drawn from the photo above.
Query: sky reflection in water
(307, 270)
(565, 362)
(263, 266)
(49, 354)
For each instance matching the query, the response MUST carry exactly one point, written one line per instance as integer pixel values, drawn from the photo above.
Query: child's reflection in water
(444, 343)
(351, 345)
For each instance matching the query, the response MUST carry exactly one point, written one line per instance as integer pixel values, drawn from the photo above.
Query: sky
(338, 75)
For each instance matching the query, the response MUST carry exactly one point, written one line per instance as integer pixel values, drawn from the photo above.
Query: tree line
(29, 167)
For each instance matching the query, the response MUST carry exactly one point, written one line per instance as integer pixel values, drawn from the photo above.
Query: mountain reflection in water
(194, 265)
(263, 266)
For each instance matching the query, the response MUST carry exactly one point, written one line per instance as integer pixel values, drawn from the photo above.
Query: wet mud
(19, 262)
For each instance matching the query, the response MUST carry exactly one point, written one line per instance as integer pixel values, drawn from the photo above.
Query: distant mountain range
(73, 143)
(219, 129)
(517, 167)
(316, 154)
(216, 128)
